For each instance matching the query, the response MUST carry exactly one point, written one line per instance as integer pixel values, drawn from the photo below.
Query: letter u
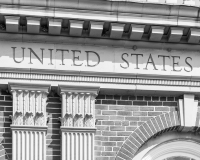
(14, 55)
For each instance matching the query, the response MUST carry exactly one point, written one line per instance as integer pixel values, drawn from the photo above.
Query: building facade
(99, 80)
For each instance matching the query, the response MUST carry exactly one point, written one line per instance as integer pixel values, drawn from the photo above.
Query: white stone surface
(77, 144)
(28, 143)
(188, 112)
(100, 59)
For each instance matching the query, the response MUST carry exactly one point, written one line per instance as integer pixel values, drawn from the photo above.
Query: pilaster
(188, 108)
(78, 122)
(29, 121)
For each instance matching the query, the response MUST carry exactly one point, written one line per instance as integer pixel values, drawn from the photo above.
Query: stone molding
(126, 43)
(120, 6)
(29, 87)
(76, 129)
(109, 82)
(194, 3)
(29, 128)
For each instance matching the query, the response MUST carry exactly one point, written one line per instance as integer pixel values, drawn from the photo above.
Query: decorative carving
(78, 101)
(18, 118)
(89, 120)
(67, 120)
(40, 119)
(29, 104)
(78, 120)
(29, 119)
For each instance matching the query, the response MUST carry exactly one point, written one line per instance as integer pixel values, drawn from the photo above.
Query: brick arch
(155, 126)
(3, 154)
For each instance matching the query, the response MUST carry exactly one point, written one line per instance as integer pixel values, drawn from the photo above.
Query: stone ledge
(75, 129)
(29, 128)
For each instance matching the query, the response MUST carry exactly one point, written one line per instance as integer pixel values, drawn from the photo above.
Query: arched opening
(171, 146)
(174, 150)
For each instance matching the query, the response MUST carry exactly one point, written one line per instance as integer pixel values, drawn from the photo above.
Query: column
(29, 121)
(78, 122)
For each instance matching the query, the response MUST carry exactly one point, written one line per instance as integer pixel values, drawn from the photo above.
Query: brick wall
(53, 133)
(119, 116)
(5, 112)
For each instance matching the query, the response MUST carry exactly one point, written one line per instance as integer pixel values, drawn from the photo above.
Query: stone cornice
(26, 86)
(126, 13)
(108, 6)
(31, 73)
(78, 89)
(116, 85)
(76, 129)
(134, 21)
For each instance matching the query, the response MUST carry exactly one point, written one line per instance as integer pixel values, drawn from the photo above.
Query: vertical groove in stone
(81, 146)
(18, 145)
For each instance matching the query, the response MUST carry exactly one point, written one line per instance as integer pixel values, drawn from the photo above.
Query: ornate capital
(79, 101)
(29, 104)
